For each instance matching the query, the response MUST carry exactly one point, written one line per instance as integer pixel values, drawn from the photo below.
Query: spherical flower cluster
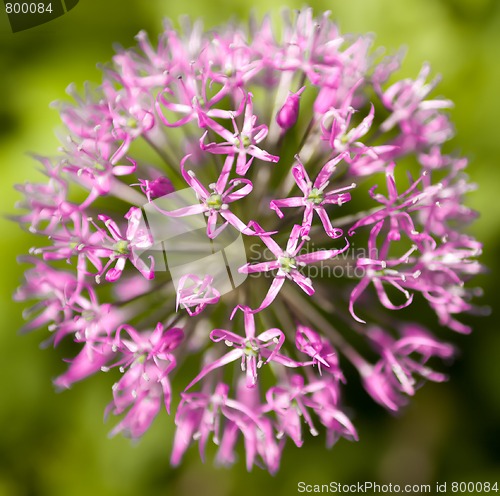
(260, 201)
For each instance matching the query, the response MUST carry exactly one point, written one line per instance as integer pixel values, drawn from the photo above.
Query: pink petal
(224, 360)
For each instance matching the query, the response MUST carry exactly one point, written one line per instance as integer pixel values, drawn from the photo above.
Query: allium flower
(326, 206)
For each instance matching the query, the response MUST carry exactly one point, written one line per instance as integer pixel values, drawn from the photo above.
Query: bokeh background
(57, 445)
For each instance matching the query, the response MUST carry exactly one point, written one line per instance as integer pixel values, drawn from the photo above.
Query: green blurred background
(57, 444)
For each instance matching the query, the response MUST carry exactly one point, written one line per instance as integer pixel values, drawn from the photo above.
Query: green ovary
(214, 201)
(316, 196)
(121, 247)
(287, 263)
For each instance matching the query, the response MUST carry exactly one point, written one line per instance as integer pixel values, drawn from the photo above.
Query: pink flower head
(210, 115)
(251, 349)
(91, 359)
(287, 262)
(136, 240)
(182, 98)
(53, 288)
(156, 188)
(315, 197)
(396, 208)
(319, 349)
(98, 172)
(294, 400)
(394, 373)
(195, 292)
(203, 414)
(146, 361)
(406, 98)
(382, 273)
(46, 204)
(215, 203)
(241, 142)
(288, 114)
(258, 432)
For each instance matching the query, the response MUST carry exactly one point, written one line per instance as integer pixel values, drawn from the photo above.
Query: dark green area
(56, 444)
(26, 15)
